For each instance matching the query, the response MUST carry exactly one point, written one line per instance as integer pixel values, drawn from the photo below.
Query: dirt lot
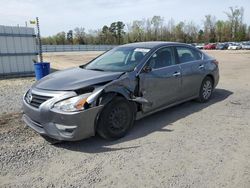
(190, 145)
(61, 60)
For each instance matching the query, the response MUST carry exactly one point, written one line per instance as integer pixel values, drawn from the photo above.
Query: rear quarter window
(186, 54)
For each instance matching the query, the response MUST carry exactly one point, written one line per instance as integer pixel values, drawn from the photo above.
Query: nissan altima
(129, 82)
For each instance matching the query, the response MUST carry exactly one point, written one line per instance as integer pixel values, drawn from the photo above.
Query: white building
(18, 49)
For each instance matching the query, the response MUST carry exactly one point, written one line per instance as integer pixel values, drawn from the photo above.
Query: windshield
(121, 59)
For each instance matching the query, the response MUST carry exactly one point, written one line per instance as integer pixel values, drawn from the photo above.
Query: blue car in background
(222, 46)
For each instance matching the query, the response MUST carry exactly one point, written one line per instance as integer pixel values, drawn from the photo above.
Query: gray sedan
(126, 83)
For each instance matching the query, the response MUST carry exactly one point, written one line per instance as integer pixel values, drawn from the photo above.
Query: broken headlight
(73, 104)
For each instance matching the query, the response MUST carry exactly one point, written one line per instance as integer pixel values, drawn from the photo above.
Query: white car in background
(245, 45)
(234, 46)
(200, 46)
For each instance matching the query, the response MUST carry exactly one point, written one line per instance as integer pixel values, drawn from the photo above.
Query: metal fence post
(39, 40)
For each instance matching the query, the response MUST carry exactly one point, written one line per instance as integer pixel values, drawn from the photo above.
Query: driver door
(160, 80)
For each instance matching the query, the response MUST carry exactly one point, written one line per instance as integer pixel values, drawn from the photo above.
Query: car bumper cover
(61, 125)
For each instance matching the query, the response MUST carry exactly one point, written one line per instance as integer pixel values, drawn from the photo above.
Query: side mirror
(147, 69)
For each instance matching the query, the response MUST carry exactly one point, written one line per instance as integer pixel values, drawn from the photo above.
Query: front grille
(36, 100)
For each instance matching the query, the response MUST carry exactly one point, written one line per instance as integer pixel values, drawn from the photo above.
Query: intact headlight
(73, 104)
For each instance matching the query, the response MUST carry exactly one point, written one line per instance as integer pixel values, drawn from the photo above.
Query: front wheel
(115, 119)
(206, 90)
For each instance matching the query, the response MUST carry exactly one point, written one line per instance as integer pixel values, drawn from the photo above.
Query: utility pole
(39, 40)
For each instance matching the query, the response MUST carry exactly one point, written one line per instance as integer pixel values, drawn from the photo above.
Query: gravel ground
(190, 145)
(11, 93)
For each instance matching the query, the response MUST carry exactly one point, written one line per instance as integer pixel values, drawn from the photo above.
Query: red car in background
(210, 46)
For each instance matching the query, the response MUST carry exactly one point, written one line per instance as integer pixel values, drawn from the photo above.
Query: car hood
(75, 78)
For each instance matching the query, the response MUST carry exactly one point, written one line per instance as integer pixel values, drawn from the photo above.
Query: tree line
(157, 29)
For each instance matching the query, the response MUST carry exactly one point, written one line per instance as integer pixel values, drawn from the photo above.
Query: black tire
(206, 90)
(116, 118)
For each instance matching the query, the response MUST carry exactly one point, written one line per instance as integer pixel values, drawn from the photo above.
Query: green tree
(113, 32)
(105, 34)
(148, 30)
(235, 18)
(242, 33)
(70, 37)
(120, 31)
(209, 28)
(219, 30)
(117, 31)
(157, 22)
(191, 31)
(156, 29)
(60, 38)
(179, 32)
(80, 35)
(137, 31)
(48, 40)
(200, 37)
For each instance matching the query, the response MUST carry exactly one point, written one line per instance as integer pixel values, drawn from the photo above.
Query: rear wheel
(115, 119)
(206, 90)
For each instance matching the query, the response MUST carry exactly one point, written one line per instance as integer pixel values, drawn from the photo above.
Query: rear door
(161, 85)
(192, 69)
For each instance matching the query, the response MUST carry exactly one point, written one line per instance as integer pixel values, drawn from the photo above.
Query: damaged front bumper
(70, 126)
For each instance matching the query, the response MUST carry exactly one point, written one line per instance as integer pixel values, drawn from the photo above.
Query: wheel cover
(207, 89)
(118, 119)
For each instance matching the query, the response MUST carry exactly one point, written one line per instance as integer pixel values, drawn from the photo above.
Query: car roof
(151, 44)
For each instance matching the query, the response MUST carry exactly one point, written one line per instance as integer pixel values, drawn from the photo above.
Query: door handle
(201, 67)
(176, 74)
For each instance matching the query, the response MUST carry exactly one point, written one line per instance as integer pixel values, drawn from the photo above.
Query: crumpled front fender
(125, 86)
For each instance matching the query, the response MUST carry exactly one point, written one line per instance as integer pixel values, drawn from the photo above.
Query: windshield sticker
(143, 50)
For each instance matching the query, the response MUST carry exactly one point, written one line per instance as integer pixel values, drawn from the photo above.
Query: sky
(62, 15)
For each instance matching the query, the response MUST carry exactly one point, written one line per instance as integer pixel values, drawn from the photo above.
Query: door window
(162, 58)
(186, 54)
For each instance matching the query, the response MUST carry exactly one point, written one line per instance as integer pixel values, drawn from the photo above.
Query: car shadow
(155, 122)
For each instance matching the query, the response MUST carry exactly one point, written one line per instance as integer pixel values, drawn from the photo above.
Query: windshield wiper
(96, 69)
